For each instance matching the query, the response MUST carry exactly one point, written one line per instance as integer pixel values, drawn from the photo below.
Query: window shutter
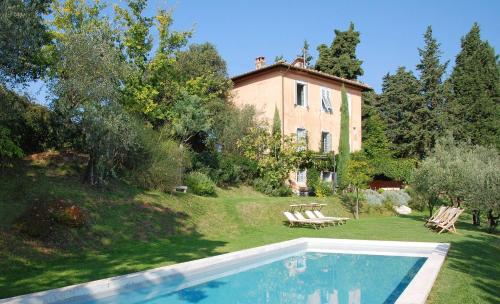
(326, 104)
(305, 138)
(328, 101)
(329, 140)
(306, 102)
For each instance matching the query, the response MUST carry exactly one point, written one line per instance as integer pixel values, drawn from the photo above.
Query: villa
(308, 103)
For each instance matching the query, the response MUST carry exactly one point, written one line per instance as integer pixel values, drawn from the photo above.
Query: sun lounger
(312, 216)
(294, 221)
(300, 217)
(437, 215)
(445, 217)
(449, 225)
(341, 220)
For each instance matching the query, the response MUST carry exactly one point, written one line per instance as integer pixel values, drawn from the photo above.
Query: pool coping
(186, 274)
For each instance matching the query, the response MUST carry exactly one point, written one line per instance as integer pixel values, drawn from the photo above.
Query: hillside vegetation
(129, 229)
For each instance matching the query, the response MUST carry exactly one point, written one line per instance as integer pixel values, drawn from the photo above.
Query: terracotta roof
(296, 68)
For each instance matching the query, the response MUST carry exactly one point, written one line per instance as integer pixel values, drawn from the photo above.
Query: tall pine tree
(340, 58)
(344, 147)
(474, 111)
(305, 53)
(403, 109)
(431, 87)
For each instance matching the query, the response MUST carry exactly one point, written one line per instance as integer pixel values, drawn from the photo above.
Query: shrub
(349, 201)
(234, 169)
(373, 198)
(159, 163)
(8, 147)
(324, 189)
(199, 183)
(264, 186)
(398, 198)
(41, 219)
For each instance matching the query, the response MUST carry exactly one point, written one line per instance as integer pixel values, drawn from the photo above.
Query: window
(301, 139)
(327, 176)
(349, 104)
(301, 94)
(326, 104)
(302, 176)
(326, 142)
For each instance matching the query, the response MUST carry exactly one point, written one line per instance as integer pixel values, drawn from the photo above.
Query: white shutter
(325, 100)
(306, 102)
(329, 101)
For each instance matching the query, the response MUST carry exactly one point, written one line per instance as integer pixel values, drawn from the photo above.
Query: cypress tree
(276, 123)
(474, 110)
(403, 109)
(431, 88)
(340, 58)
(344, 147)
(376, 145)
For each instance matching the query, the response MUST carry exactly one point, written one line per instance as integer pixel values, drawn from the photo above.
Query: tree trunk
(357, 204)
(431, 207)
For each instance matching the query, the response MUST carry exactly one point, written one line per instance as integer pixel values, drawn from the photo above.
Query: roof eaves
(306, 70)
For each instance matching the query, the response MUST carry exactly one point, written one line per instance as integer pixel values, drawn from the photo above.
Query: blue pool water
(311, 278)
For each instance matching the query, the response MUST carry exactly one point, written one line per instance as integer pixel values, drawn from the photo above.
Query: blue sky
(391, 31)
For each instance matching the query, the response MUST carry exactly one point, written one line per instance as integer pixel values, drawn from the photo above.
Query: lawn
(133, 230)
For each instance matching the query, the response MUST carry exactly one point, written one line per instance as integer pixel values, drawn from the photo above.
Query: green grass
(133, 230)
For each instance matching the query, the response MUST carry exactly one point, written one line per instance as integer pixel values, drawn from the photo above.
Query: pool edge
(416, 292)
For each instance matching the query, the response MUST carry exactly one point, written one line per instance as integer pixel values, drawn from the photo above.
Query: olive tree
(461, 173)
(87, 90)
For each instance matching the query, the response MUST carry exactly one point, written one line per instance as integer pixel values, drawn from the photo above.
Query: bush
(324, 189)
(41, 219)
(349, 201)
(158, 164)
(373, 198)
(264, 186)
(397, 197)
(199, 183)
(234, 170)
(313, 179)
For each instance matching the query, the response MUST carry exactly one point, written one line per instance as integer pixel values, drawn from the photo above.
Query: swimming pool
(304, 270)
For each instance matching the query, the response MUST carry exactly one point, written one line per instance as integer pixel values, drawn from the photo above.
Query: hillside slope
(130, 229)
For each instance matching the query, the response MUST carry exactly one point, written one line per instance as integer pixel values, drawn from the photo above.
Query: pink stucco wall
(277, 90)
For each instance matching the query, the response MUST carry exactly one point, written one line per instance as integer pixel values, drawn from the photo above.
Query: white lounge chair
(294, 221)
(341, 220)
(299, 216)
(312, 216)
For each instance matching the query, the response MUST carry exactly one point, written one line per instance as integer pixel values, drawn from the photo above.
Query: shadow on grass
(474, 253)
(463, 223)
(125, 234)
(477, 256)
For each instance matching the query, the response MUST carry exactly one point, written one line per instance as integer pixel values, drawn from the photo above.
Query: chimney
(299, 62)
(260, 62)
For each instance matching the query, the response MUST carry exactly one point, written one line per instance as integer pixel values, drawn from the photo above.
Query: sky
(391, 31)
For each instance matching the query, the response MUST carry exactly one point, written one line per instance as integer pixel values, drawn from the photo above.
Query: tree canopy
(23, 34)
(340, 58)
(474, 105)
